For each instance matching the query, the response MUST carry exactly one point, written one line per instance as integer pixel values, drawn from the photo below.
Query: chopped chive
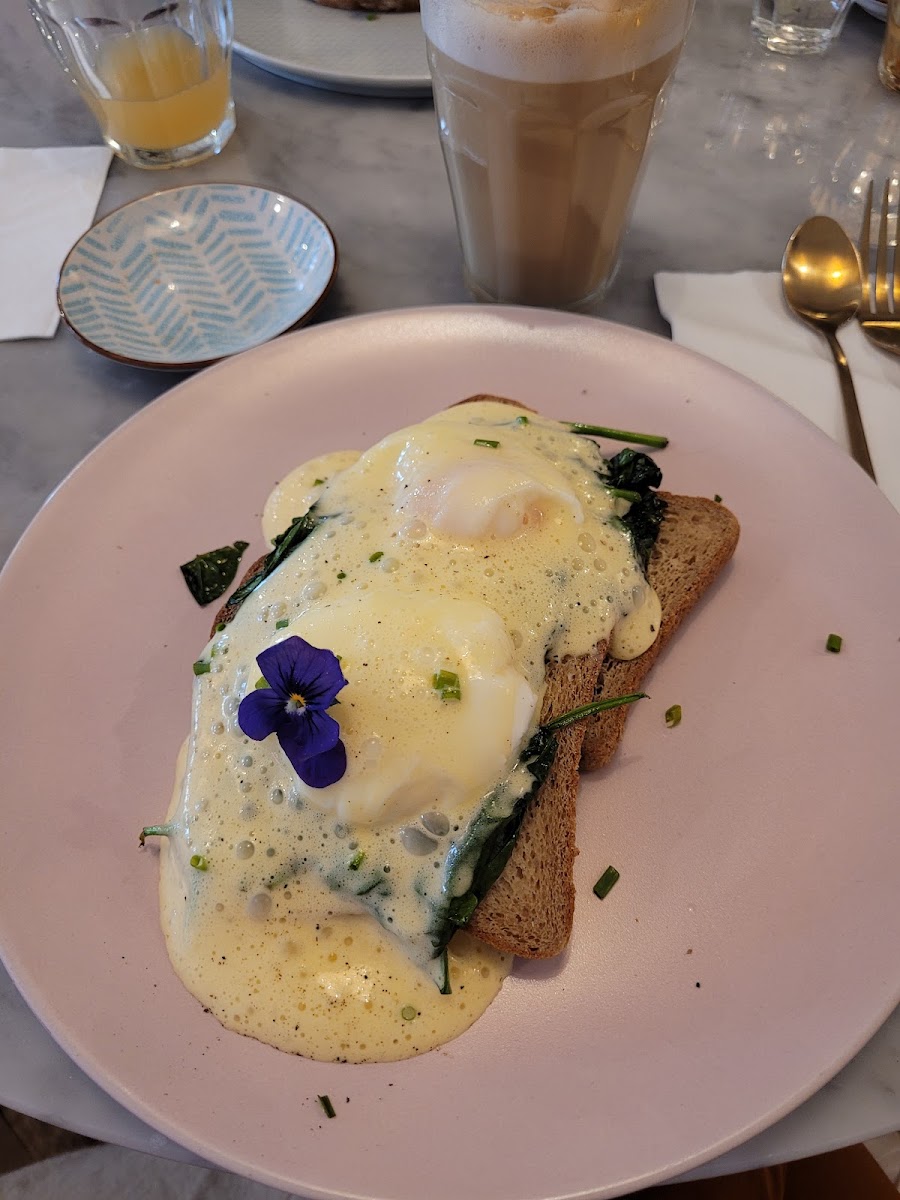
(157, 831)
(447, 683)
(201, 667)
(588, 710)
(280, 878)
(446, 989)
(325, 1101)
(342, 574)
(833, 642)
(618, 435)
(717, 498)
(260, 683)
(318, 482)
(521, 420)
(283, 623)
(673, 716)
(357, 860)
(221, 625)
(369, 17)
(486, 442)
(375, 557)
(408, 1013)
(625, 494)
(199, 863)
(370, 887)
(606, 883)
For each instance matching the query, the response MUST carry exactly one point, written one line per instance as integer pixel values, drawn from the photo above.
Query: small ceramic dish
(184, 277)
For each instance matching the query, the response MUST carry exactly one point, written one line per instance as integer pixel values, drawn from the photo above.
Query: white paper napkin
(48, 198)
(743, 322)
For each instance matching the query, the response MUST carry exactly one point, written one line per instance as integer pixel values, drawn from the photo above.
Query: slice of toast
(530, 908)
(696, 540)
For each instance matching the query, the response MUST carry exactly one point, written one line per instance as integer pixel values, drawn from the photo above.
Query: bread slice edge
(697, 538)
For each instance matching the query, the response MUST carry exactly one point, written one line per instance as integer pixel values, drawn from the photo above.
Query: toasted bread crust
(227, 611)
(697, 538)
(530, 908)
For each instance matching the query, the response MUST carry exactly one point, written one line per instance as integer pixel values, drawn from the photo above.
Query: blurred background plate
(876, 8)
(333, 49)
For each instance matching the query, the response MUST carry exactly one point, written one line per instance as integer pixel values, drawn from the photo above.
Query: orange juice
(164, 91)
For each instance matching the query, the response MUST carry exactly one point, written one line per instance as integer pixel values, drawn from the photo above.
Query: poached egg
(479, 544)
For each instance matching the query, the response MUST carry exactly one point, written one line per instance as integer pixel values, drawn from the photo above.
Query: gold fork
(879, 312)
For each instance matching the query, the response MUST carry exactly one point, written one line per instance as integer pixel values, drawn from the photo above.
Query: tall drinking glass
(157, 79)
(545, 109)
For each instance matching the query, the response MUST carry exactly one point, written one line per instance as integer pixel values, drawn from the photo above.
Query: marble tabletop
(750, 145)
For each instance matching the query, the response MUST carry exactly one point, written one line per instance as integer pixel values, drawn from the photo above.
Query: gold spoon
(821, 281)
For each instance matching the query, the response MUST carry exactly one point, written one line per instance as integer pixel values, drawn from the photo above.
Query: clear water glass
(799, 26)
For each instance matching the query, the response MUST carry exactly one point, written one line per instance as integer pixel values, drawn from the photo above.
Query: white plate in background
(875, 8)
(334, 49)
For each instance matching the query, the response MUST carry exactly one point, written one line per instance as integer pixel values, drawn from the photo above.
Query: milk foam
(555, 41)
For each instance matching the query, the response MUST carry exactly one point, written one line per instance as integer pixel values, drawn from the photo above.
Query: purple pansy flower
(303, 683)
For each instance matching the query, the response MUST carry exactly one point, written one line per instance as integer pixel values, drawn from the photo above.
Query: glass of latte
(545, 109)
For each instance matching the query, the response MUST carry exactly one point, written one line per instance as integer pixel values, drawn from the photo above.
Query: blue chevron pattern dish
(184, 277)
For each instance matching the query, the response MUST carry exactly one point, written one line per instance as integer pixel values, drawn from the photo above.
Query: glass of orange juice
(158, 80)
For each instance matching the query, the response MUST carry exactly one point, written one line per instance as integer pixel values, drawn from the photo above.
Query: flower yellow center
(296, 701)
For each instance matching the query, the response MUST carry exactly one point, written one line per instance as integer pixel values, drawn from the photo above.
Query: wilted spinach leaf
(489, 842)
(637, 472)
(209, 575)
(633, 470)
(298, 531)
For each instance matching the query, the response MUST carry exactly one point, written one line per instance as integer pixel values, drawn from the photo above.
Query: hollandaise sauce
(470, 548)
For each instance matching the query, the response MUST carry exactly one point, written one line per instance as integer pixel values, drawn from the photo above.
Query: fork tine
(882, 306)
(864, 251)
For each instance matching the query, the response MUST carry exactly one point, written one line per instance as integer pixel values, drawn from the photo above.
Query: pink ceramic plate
(749, 948)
